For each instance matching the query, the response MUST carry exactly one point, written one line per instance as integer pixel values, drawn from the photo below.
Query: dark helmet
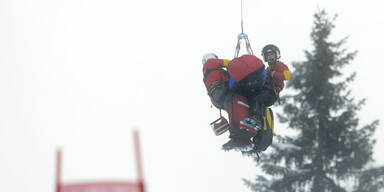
(271, 48)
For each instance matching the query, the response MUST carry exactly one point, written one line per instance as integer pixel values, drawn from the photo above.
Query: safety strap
(208, 71)
(243, 37)
(276, 90)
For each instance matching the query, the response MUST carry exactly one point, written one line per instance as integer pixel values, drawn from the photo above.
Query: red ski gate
(137, 186)
(103, 187)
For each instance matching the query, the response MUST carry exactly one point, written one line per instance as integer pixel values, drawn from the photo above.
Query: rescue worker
(277, 72)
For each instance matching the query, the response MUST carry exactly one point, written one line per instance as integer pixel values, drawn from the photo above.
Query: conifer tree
(330, 149)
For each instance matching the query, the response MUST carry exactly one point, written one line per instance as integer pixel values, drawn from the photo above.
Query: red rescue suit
(279, 73)
(216, 80)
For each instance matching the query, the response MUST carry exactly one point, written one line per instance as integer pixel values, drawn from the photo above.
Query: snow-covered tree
(331, 150)
(371, 180)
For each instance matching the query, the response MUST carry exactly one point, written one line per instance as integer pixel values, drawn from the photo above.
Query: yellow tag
(270, 120)
(226, 62)
(287, 75)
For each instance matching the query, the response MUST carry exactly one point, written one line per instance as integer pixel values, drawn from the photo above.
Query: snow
(286, 146)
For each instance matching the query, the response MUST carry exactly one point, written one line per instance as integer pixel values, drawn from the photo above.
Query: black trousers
(257, 100)
(221, 95)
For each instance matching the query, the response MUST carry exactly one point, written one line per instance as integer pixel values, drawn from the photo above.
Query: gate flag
(137, 186)
(102, 187)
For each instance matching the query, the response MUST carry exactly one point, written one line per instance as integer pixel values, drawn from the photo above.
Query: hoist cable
(242, 29)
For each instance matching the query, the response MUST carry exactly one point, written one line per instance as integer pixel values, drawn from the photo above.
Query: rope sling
(242, 37)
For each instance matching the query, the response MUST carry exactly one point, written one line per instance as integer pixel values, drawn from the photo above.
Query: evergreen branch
(371, 180)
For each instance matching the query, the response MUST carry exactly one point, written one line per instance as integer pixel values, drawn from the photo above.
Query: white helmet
(208, 56)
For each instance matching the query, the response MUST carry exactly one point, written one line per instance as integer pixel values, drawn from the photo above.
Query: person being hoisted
(247, 78)
(216, 80)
